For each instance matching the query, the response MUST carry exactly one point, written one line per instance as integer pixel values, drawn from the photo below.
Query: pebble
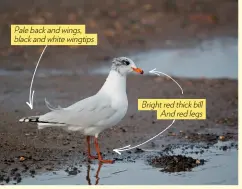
(222, 138)
(21, 158)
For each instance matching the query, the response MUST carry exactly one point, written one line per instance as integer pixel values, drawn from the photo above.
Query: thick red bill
(138, 70)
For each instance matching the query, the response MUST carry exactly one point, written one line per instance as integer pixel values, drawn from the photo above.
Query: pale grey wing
(85, 113)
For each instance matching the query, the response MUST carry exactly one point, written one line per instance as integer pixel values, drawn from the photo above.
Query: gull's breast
(119, 104)
(109, 122)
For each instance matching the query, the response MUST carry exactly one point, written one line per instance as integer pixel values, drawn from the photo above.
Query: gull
(96, 113)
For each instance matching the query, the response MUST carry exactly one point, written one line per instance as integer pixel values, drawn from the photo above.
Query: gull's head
(124, 65)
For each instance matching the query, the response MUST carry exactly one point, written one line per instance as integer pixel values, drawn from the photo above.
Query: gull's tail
(36, 120)
(30, 119)
(41, 124)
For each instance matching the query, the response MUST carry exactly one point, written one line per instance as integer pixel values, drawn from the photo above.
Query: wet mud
(175, 163)
(27, 151)
(170, 163)
(159, 162)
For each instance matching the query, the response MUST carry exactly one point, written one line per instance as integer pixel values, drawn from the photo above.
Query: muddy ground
(123, 28)
(49, 149)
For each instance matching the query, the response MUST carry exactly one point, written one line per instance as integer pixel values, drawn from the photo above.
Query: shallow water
(216, 58)
(221, 168)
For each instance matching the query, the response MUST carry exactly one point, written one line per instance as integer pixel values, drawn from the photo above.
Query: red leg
(99, 154)
(89, 149)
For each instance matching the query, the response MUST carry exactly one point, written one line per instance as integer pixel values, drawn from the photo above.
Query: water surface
(216, 58)
(221, 168)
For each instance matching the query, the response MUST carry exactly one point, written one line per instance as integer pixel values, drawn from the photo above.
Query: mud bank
(27, 151)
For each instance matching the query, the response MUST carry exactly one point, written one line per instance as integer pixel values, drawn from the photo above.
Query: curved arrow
(31, 94)
(125, 148)
(119, 150)
(158, 73)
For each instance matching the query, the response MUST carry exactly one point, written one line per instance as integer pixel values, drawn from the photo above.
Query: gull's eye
(126, 62)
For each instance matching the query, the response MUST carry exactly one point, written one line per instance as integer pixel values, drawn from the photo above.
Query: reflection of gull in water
(96, 176)
(98, 172)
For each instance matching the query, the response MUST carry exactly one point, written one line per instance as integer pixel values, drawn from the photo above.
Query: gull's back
(90, 112)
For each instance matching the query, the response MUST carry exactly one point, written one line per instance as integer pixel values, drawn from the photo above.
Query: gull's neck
(115, 83)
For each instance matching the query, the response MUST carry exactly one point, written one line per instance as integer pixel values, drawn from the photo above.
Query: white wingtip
(21, 120)
(24, 119)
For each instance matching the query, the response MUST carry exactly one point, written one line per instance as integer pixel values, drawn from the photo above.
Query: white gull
(94, 114)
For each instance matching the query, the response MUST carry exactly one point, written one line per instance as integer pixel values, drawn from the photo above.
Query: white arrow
(158, 73)
(31, 94)
(125, 148)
